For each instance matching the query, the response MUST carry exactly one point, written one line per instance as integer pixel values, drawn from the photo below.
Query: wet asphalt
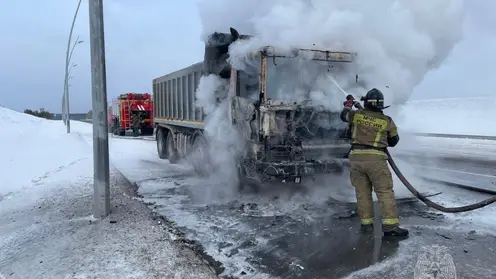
(303, 232)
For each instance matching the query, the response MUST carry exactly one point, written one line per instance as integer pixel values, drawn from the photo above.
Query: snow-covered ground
(445, 147)
(469, 116)
(464, 116)
(46, 224)
(46, 194)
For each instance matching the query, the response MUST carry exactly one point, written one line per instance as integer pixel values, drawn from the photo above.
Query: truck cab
(288, 136)
(283, 134)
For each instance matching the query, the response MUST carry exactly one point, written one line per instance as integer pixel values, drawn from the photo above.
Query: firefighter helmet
(374, 98)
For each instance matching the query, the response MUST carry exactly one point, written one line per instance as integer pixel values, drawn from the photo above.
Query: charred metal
(283, 138)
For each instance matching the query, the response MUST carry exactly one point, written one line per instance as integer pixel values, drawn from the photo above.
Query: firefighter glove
(349, 103)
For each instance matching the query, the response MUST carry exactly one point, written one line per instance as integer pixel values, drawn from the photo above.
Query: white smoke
(397, 42)
(209, 90)
(223, 139)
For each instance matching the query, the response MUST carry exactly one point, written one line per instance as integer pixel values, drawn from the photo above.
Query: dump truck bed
(174, 98)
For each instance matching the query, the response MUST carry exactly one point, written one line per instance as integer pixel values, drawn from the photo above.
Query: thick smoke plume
(397, 42)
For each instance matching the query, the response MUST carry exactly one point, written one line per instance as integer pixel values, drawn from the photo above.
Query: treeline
(43, 114)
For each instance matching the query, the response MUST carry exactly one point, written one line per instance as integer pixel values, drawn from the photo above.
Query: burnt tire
(171, 150)
(161, 143)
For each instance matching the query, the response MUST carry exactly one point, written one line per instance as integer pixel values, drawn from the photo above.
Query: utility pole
(66, 94)
(101, 180)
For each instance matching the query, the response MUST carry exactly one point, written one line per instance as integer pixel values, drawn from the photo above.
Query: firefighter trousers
(368, 175)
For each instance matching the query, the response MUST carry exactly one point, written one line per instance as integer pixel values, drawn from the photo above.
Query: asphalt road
(311, 231)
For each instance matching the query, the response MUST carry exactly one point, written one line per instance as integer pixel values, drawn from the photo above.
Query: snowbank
(470, 116)
(33, 149)
(46, 222)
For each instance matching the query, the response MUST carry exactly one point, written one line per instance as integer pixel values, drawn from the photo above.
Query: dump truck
(125, 106)
(284, 139)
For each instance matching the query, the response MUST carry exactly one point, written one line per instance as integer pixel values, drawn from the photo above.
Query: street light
(77, 42)
(66, 89)
(66, 95)
(67, 61)
(70, 69)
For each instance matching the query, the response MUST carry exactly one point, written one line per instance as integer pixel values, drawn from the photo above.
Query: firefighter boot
(396, 231)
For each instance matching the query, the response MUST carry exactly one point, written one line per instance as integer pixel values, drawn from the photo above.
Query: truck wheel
(161, 143)
(199, 156)
(171, 151)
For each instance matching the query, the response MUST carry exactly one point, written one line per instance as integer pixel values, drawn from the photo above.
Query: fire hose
(416, 193)
(430, 203)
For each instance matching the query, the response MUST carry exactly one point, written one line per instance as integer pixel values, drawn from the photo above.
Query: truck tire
(171, 150)
(122, 132)
(161, 143)
(199, 156)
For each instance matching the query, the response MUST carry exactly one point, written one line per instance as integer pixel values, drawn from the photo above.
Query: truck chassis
(272, 152)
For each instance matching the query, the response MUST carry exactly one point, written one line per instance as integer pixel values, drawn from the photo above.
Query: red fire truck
(126, 107)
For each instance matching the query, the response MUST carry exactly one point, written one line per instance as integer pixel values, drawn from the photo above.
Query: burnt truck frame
(282, 139)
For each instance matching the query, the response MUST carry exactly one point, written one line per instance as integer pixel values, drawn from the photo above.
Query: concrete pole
(101, 197)
(66, 94)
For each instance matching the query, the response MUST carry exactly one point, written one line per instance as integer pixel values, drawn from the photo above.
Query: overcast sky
(147, 39)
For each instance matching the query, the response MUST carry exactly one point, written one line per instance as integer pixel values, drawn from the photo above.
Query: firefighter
(372, 133)
(136, 122)
(350, 100)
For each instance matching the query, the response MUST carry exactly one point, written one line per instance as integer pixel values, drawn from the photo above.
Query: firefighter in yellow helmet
(371, 133)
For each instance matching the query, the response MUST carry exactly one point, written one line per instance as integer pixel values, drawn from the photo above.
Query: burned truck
(286, 136)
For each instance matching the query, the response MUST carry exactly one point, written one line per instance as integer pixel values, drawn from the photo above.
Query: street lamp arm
(67, 66)
(72, 49)
(69, 40)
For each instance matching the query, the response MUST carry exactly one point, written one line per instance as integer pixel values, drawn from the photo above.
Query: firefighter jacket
(371, 132)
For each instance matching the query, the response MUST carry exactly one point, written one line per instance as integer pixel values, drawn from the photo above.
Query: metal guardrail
(455, 136)
(432, 135)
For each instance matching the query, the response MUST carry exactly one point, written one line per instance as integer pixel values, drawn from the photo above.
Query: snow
(466, 116)
(46, 225)
(46, 192)
(445, 147)
(34, 141)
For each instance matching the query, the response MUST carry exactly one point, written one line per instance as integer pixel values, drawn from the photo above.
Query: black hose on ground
(430, 203)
